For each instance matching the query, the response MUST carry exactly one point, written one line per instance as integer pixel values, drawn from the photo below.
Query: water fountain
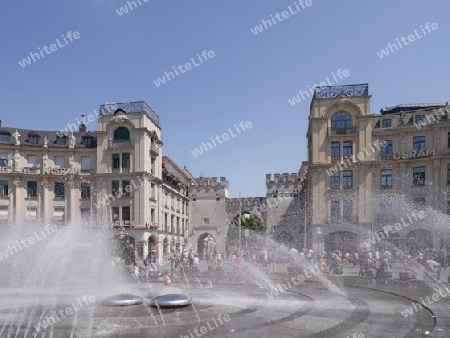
(63, 285)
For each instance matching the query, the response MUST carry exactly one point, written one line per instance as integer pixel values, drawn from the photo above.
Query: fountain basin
(123, 299)
(171, 300)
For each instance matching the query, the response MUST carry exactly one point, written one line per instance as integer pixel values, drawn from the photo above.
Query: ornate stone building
(115, 177)
(370, 170)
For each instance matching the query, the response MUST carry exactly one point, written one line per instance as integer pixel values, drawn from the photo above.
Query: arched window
(121, 134)
(341, 123)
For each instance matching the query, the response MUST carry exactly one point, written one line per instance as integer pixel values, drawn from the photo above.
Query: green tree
(250, 222)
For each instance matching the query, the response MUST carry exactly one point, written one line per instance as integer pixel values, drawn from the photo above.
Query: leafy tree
(250, 222)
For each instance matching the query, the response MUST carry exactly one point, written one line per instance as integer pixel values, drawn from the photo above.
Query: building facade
(115, 177)
(368, 171)
(208, 215)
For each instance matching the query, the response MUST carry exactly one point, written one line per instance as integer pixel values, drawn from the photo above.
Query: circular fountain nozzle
(171, 300)
(122, 299)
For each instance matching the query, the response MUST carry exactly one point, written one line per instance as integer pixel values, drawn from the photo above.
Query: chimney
(0, 123)
(82, 128)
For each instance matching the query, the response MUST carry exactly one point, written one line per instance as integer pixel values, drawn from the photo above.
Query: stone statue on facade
(45, 142)
(72, 141)
(16, 136)
(16, 159)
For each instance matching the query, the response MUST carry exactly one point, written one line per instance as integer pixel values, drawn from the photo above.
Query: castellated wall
(207, 211)
(285, 207)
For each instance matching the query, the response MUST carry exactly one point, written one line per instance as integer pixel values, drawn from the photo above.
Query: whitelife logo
(187, 66)
(123, 10)
(24, 243)
(304, 94)
(285, 14)
(411, 38)
(208, 328)
(221, 139)
(54, 318)
(53, 47)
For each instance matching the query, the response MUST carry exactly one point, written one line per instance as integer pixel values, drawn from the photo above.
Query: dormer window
(61, 141)
(33, 139)
(5, 136)
(88, 141)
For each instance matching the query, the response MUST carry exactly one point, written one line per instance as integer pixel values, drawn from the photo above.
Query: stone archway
(206, 245)
(341, 240)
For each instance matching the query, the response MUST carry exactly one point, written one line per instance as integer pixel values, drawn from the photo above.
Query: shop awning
(59, 215)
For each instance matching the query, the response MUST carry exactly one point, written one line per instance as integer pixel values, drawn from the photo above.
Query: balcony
(31, 170)
(6, 170)
(85, 171)
(116, 144)
(342, 131)
(387, 157)
(154, 149)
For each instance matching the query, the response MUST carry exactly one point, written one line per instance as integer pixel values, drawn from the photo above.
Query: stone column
(45, 203)
(18, 201)
(72, 185)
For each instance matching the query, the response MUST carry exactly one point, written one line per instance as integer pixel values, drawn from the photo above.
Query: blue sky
(251, 77)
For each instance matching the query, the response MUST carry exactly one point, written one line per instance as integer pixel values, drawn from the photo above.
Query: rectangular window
(85, 163)
(115, 187)
(32, 189)
(88, 142)
(3, 188)
(418, 176)
(115, 215)
(4, 137)
(419, 203)
(335, 181)
(60, 161)
(59, 190)
(33, 139)
(347, 149)
(58, 215)
(335, 149)
(152, 215)
(116, 161)
(125, 191)
(126, 214)
(448, 173)
(61, 141)
(125, 160)
(347, 179)
(85, 190)
(419, 118)
(335, 212)
(205, 221)
(31, 161)
(419, 143)
(165, 223)
(31, 214)
(3, 160)
(387, 123)
(388, 149)
(348, 210)
(386, 179)
(448, 140)
(85, 214)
